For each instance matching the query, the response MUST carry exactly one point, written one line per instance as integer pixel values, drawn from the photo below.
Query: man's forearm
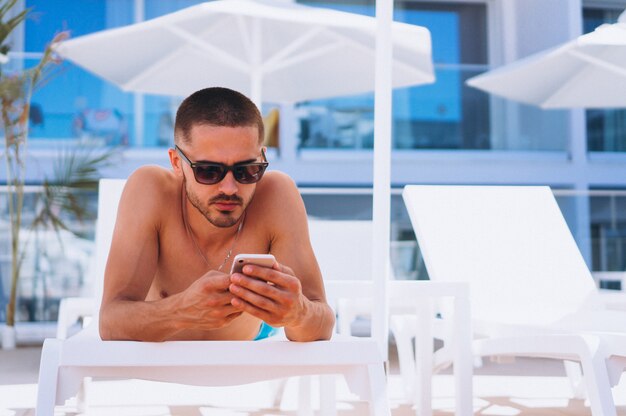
(317, 323)
(137, 320)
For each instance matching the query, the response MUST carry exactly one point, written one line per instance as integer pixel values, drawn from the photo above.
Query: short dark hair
(216, 106)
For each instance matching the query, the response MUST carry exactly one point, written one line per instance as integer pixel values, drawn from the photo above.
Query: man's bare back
(167, 276)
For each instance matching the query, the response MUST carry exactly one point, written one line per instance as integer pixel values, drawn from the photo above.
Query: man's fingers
(272, 294)
(254, 284)
(283, 269)
(278, 278)
(223, 301)
(213, 281)
(246, 307)
(252, 297)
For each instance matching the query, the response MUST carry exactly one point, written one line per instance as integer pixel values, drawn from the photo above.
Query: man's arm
(295, 298)
(131, 267)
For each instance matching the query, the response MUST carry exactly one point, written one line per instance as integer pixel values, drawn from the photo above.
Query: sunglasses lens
(209, 174)
(248, 173)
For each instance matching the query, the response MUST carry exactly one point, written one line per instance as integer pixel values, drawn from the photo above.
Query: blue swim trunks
(265, 331)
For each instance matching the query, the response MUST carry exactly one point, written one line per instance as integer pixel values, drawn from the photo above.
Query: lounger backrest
(510, 242)
(109, 193)
(343, 249)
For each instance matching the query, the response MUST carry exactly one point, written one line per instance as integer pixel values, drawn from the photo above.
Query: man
(177, 232)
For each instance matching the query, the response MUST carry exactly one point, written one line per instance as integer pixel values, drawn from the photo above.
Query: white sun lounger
(65, 363)
(531, 292)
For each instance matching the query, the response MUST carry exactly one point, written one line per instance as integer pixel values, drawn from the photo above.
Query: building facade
(444, 133)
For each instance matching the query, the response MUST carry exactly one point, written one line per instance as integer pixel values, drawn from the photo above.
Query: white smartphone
(265, 260)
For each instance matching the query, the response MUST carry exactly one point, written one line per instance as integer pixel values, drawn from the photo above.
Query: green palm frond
(75, 171)
(7, 27)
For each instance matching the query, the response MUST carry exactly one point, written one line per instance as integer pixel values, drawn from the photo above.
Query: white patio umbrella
(589, 72)
(270, 50)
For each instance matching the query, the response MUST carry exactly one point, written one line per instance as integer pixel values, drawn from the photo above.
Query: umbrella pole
(256, 74)
(138, 101)
(255, 89)
(382, 171)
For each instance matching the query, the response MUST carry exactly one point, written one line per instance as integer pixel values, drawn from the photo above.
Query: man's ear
(175, 161)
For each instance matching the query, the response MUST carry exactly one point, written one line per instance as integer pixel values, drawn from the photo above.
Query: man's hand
(206, 304)
(273, 295)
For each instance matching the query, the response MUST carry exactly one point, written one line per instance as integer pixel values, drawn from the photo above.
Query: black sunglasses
(208, 173)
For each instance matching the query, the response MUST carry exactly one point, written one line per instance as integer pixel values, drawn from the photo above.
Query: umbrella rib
(229, 60)
(341, 40)
(598, 62)
(302, 57)
(132, 83)
(276, 60)
(245, 36)
(371, 51)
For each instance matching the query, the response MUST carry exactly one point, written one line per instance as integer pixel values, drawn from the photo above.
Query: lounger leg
(462, 357)
(575, 377)
(379, 402)
(424, 359)
(304, 396)
(82, 399)
(328, 397)
(48, 377)
(369, 382)
(277, 387)
(596, 376)
(403, 336)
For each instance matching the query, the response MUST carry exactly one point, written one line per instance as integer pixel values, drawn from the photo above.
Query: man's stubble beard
(226, 219)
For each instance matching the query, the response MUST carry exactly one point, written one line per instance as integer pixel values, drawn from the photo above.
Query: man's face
(223, 203)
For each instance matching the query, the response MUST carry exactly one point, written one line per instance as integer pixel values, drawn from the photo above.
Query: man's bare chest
(181, 261)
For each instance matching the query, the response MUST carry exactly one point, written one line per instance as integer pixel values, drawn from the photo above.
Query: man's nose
(229, 185)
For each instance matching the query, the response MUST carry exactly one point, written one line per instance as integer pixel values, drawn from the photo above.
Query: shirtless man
(177, 232)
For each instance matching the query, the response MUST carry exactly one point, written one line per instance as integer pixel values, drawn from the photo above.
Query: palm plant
(77, 169)
(15, 92)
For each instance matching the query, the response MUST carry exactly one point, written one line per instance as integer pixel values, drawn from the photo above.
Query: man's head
(218, 153)
(216, 106)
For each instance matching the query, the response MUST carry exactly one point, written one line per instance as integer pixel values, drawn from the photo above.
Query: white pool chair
(349, 291)
(530, 290)
(65, 363)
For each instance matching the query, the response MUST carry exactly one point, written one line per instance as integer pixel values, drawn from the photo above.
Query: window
(444, 115)
(75, 103)
(606, 128)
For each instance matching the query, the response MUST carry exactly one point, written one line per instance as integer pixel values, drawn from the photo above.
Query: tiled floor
(526, 387)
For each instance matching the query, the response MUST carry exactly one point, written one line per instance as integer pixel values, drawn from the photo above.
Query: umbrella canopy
(270, 50)
(589, 72)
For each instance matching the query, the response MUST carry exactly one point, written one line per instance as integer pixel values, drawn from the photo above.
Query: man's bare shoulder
(277, 185)
(277, 199)
(153, 178)
(151, 186)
